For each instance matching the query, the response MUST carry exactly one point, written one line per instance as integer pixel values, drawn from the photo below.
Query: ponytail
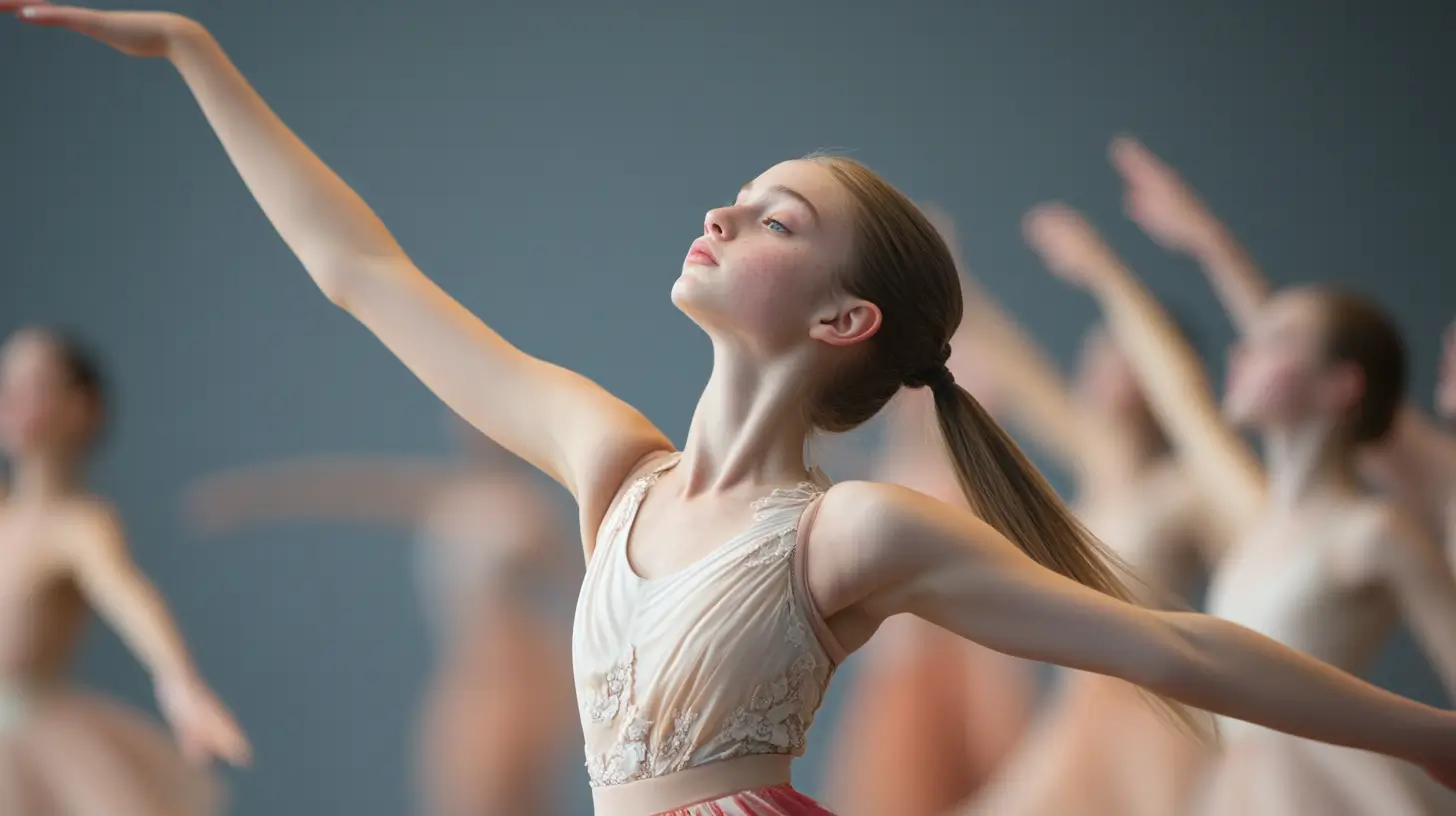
(1009, 494)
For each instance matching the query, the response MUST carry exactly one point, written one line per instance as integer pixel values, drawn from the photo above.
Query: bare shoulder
(1377, 536)
(89, 525)
(871, 538)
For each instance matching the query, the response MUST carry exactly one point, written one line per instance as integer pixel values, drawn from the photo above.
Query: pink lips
(701, 254)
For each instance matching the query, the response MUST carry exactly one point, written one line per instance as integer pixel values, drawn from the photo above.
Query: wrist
(1216, 245)
(176, 680)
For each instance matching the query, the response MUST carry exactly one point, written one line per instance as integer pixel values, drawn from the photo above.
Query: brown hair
(1359, 333)
(905, 268)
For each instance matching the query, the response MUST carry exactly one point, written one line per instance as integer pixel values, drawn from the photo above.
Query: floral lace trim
(633, 757)
(616, 690)
(774, 720)
(779, 545)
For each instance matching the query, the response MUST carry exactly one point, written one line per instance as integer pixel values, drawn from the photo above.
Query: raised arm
(555, 419)
(1024, 383)
(886, 550)
(1170, 212)
(1411, 568)
(1167, 369)
(396, 492)
(97, 555)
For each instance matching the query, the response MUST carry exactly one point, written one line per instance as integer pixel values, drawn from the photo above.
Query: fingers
(1042, 222)
(1131, 157)
(45, 14)
(18, 5)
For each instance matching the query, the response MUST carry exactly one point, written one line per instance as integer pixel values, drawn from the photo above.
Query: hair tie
(936, 378)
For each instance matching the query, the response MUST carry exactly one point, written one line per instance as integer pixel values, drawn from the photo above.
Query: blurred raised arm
(1167, 369)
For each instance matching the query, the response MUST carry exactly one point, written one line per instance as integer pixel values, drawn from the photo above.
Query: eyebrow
(786, 191)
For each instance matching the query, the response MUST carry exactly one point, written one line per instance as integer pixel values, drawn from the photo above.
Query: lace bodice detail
(718, 660)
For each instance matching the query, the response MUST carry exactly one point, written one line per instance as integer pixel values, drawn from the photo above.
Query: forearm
(1171, 377)
(1238, 281)
(326, 224)
(1233, 671)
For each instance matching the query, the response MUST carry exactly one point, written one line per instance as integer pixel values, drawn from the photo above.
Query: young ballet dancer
(1316, 563)
(1415, 464)
(930, 717)
(1134, 494)
(492, 559)
(726, 581)
(64, 752)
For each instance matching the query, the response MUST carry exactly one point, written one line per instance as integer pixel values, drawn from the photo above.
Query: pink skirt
(779, 800)
(68, 753)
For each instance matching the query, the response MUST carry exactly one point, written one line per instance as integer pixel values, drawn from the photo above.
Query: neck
(1308, 462)
(749, 425)
(44, 477)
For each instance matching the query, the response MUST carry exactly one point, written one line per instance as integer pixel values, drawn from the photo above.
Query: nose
(718, 223)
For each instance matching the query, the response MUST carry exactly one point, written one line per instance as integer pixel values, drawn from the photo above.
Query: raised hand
(134, 33)
(204, 728)
(1160, 202)
(1068, 245)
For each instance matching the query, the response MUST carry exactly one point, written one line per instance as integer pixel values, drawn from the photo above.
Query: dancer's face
(766, 265)
(41, 409)
(1278, 373)
(1446, 376)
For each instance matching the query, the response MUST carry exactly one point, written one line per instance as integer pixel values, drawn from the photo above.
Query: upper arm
(891, 551)
(1423, 586)
(96, 551)
(559, 421)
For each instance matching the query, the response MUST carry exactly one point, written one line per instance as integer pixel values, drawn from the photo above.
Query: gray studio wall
(548, 164)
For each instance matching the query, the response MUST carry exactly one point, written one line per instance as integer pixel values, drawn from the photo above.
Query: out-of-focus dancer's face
(43, 409)
(1275, 371)
(1317, 355)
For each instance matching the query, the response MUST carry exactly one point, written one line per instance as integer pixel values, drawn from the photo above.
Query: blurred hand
(135, 33)
(1068, 245)
(1160, 202)
(204, 728)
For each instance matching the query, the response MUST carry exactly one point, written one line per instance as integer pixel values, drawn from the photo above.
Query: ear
(851, 321)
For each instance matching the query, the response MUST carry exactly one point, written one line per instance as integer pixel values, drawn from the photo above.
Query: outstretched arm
(555, 419)
(887, 550)
(1025, 384)
(1171, 213)
(1167, 369)
(112, 583)
(395, 492)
